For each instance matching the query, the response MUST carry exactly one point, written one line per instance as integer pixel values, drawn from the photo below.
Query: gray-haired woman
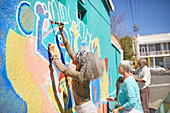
(128, 94)
(88, 67)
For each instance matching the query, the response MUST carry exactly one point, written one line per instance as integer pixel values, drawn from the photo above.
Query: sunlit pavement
(160, 86)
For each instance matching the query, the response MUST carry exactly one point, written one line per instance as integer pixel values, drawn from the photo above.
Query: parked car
(157, 69)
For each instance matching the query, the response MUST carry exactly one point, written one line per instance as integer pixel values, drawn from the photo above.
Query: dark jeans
(144, 95)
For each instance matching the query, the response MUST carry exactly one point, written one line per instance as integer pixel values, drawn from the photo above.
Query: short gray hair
(143, 61)
(128, 65)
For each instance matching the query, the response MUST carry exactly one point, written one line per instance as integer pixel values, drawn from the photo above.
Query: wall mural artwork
(28, 82)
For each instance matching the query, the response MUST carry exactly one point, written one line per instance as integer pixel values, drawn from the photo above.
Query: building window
(62, 2)
(143, 50)
(169, 46)
(151, 48)
(167, 62)
(157, 47)
(82, 1)
(82, 13)
(151, 62)
(159, 61)
(79, 14)
(165, 46)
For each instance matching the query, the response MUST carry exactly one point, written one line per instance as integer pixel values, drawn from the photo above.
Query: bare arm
(118, 109)
(140, 80)
(111, 99)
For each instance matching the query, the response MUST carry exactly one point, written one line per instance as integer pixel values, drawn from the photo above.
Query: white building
(155, 48)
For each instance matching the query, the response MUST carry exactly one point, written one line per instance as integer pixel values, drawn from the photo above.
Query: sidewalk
(154, 106)
(167, 72)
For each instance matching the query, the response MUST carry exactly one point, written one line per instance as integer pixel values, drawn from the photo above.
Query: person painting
(118, 84)
(88, 67)
(128, 94)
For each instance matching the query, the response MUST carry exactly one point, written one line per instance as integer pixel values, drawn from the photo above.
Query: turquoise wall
(28, 84)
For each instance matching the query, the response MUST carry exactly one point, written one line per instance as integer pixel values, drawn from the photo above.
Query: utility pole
(135, 29)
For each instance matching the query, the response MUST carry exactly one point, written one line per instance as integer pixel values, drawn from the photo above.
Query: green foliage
(126, 44)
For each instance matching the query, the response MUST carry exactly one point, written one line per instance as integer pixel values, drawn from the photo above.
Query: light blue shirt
(129, 95)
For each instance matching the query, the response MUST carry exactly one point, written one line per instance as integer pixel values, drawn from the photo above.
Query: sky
(152, 16)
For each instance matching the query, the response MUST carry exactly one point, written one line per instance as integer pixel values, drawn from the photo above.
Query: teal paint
(94, 25)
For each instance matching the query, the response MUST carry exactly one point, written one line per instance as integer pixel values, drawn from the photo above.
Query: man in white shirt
(143, 79)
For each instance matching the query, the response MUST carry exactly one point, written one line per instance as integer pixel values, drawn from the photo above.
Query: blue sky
(152, 16)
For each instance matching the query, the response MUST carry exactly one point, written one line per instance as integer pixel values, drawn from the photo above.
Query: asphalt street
(159, 88)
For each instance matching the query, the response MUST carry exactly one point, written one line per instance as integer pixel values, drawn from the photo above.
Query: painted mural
(29, 81)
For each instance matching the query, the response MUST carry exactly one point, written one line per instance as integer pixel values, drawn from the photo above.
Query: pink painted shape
(49, 31)
(98, 108)
(46, 25)
(83, 48)
(39, 70)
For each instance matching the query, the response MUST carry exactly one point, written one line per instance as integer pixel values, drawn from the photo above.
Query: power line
(131, 11)
(138, 12)
(127, 9)
(135, 14)
(135, 26)
(132, 14)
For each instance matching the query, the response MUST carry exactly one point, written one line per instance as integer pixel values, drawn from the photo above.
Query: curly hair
(91, 66)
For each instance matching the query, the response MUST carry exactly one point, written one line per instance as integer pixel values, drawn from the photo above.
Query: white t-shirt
(144, 73)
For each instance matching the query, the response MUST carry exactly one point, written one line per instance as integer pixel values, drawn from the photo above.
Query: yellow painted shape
(18, 74)
(104, 81)
(76, 33)
(51, 93)
(96, 40)
(104, 84)
(55, 101)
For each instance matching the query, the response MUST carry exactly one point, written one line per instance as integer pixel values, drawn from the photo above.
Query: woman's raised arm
(65, 41)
